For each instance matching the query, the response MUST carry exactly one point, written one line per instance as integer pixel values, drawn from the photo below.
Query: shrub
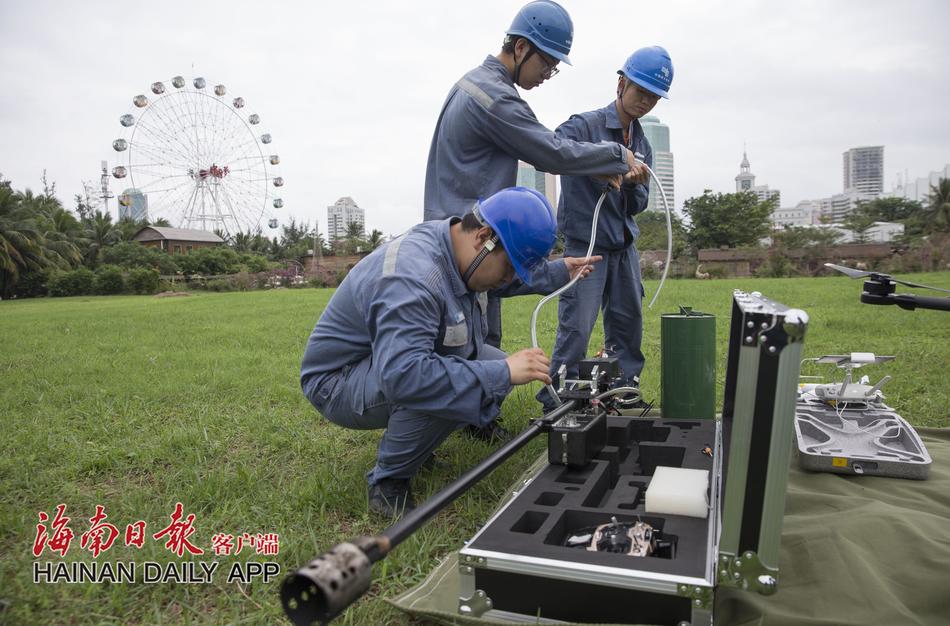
(242, 281)
(217, 260)
(32, 284)
(130, 254)
(109, 280)
(254, 263)
(77, 282)
(776, 265)
(143, 280)
(219, 284)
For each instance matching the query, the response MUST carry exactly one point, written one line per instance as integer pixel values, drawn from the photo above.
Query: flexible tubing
(590, 250)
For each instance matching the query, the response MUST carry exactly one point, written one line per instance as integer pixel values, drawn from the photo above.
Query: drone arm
(873, 390)
(907, 301)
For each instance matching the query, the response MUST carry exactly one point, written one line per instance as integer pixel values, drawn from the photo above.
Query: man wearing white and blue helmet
(615, 286)
(401, 344)
(485, 127)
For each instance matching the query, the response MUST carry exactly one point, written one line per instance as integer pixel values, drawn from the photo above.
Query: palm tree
(375, 239)
(100, 232)
(937, 213)
(352, 242)
(241, 241)
(61, 231)
(126, 228)
(21, 244)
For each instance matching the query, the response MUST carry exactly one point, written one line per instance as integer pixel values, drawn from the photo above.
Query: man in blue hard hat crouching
(401, 344)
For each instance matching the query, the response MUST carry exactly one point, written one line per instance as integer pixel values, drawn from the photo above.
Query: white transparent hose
(554, 294)
(590, 250)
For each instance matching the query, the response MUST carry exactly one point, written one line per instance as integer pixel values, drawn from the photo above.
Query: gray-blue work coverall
(400, 346)
(484, 128)
(615, 285)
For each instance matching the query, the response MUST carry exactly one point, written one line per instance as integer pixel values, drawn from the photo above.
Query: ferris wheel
(199, 159)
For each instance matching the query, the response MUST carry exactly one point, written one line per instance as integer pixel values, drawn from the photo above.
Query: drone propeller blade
(852, 273)
(918, 285)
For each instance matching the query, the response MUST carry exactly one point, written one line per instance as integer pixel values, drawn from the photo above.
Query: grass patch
(137, 403)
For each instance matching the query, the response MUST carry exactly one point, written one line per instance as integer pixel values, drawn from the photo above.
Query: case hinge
(746, 572)
(700, 597)
(475, 605)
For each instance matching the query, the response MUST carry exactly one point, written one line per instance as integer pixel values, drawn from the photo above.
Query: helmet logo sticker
(665, 71)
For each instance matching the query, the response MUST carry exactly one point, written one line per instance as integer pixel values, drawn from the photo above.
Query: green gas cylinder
(688, 365)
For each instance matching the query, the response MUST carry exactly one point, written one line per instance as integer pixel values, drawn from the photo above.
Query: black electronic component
(577, 438)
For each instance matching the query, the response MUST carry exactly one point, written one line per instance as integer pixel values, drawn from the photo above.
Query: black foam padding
(561, 500)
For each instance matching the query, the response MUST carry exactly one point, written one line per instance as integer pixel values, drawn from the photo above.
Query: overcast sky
(351, 90)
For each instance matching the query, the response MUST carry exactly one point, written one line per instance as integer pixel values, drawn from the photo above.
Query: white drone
(848, 391)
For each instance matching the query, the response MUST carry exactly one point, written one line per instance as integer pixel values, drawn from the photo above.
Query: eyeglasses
(549, 70)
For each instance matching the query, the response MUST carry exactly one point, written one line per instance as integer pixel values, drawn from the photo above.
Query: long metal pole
(410, 522)
(325, 587)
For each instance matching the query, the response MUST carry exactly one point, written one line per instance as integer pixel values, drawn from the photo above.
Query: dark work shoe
(493, 432)
(391, 498)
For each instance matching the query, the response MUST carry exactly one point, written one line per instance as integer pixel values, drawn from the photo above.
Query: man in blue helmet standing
(485, 127)
(401, 344)
(615, 285)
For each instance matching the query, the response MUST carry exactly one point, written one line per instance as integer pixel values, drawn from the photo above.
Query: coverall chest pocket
(456, 334)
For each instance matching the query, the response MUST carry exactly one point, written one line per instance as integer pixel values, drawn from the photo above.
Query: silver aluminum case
(759, 404)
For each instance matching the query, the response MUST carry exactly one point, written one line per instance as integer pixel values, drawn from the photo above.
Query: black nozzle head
(325, 587)
(304, 602)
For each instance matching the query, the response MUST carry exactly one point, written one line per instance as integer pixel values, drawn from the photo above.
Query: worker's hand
(638, 174)
(527, 365)
(577, 267)
(614, 180)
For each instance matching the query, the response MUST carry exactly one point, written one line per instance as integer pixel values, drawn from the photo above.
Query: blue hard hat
(651, 68)
(523, 220)
(547, 25)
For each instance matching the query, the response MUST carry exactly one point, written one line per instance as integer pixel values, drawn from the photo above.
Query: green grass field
(137, 403)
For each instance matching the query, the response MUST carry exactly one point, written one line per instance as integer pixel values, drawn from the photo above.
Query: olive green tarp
(855, 550)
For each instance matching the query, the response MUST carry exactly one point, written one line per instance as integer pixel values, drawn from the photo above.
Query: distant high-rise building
(133, 204)
(745, 181)
(539, 181)
(918, 189)
(835, 208)
(864, 170)
(658, 134)
(340, 214)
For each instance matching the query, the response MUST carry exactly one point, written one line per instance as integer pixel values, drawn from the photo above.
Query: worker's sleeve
(404, 318)
(545, 278)
(635, 197)
(511, 125)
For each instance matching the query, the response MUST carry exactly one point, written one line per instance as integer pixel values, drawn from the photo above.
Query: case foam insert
(678, 491)
(560, 500)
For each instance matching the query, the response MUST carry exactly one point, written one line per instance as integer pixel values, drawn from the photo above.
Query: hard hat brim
(557, 54)
(642, 83)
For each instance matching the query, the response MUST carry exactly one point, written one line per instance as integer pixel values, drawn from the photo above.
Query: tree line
(43, 245)
(742, 220)
(46, 248)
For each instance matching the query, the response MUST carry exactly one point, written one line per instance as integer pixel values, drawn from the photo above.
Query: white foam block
(678, 491)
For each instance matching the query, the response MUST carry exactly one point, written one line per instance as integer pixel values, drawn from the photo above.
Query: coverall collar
(459, 288)
(499, 68)
(613, 120)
